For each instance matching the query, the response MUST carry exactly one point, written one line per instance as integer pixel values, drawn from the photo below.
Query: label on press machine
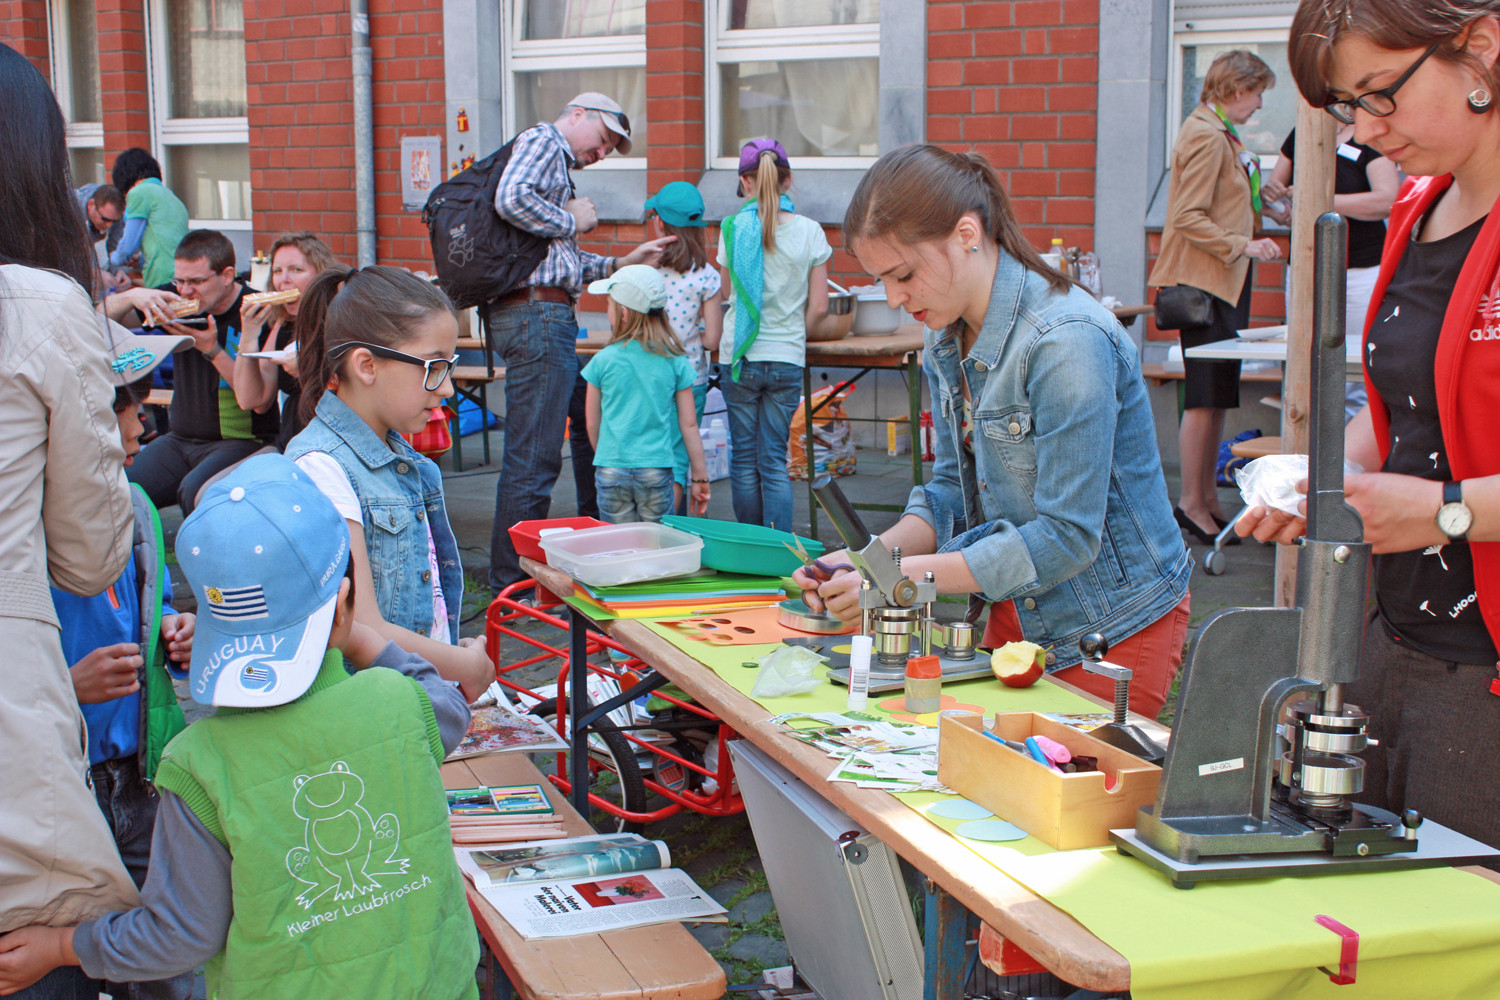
(1217, 767)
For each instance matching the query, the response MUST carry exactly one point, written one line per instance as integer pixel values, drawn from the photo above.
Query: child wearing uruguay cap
(302, 844)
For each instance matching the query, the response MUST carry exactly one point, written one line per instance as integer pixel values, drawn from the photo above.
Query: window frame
(722, 45)
(518, 55)
(1232, 31)
(168, 132)
(80, 135)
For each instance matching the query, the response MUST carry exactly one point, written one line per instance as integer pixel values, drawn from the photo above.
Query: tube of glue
(859, 673)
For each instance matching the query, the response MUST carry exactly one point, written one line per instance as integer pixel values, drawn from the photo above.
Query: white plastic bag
(788, 670)
(1271, 481)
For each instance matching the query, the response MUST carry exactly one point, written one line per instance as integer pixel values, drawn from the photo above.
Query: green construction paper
(1429, 933)
(703, 581)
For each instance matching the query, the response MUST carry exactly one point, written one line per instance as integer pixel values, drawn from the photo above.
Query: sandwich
(273, 298)
(186, 307)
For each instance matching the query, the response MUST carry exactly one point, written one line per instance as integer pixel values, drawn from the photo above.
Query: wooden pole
(1312, 196)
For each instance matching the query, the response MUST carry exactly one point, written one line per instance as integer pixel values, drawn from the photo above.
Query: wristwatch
(210, 355)
(1454, 518)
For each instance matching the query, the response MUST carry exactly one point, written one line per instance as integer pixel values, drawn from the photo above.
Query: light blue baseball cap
(264, 553)
(635, 286)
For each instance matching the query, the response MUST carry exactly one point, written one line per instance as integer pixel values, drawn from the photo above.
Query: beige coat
(1209, 217)
(64, 511)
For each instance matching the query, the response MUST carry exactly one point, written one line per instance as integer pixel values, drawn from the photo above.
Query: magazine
(594, 904)
(605, 854)
(498, 728)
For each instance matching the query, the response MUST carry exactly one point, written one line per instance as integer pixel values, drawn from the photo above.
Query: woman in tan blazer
(1208, 243)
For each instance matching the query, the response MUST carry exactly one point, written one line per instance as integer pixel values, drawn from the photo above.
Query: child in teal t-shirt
(156, 220)
(640, 403)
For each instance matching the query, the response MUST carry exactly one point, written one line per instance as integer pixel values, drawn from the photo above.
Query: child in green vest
(302, 846)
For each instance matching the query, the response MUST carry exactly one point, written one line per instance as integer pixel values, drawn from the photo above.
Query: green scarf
(1249, 159)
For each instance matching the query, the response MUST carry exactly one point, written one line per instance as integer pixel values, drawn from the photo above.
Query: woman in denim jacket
(384, 340)
(1047, 498)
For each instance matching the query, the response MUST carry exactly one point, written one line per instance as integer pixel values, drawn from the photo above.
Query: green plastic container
(733, 547)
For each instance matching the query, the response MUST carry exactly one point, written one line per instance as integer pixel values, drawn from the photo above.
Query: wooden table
(959, 879)
(655, 962)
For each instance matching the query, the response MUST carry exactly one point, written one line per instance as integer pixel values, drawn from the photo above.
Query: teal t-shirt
(638, 405)
(166, 224)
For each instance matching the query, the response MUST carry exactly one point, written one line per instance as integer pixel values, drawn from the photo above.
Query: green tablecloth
(1430, 933)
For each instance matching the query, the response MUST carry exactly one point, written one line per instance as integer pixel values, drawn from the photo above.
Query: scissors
(819, 571)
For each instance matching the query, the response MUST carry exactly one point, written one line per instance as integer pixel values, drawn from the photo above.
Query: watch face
(1454, 519)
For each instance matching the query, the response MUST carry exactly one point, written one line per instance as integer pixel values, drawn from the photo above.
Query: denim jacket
(400, 493)
(1062, 506)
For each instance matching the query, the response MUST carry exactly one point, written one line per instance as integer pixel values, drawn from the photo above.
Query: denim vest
(400, 494)
(1062, 506)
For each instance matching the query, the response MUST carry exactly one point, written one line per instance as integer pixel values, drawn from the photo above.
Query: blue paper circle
(990, 829)
(959, 809)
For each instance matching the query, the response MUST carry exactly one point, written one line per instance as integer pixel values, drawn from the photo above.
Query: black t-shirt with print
(1426, 595)
(203, 406)
(1366, 238)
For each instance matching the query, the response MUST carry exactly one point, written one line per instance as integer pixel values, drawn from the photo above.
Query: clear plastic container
(623, 553)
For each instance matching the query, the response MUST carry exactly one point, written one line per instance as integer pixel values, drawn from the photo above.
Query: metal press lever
(868, 554)
(1120, 733)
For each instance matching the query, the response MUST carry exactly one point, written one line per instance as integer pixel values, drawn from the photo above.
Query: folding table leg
(945, 947)
(578, 705)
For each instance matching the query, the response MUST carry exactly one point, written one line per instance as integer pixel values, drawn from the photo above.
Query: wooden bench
(1160, 374)
(654, 962)
(158, 397)
(472, 382)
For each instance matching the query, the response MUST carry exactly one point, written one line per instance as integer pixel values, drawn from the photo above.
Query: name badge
(1348, 152)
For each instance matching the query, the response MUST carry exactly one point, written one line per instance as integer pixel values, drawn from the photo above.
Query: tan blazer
(1209, 217)
(65, 516)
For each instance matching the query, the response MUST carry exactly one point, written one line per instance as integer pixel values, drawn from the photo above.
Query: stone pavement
(720, 853)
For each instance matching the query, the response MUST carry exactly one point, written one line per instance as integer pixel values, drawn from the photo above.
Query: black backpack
(478, 255)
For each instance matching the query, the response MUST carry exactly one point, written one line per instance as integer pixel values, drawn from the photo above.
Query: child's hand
(699, 502)
(107, 673)
(177, 632)
(476, 679)
(28, 954)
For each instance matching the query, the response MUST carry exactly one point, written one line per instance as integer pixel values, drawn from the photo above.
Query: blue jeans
(760, 407)
(129, 806)
(633, 494)
(537, 343)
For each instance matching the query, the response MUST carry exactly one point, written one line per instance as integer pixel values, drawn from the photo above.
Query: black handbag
(1179, 306)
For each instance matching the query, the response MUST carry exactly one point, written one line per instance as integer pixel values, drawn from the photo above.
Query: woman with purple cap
(777, 264)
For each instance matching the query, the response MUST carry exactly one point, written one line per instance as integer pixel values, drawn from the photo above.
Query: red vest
(1467, 365)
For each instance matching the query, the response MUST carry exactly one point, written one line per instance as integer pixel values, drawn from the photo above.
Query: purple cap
(750, 154)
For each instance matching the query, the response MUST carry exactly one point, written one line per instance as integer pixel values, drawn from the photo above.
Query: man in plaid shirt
(533, 328)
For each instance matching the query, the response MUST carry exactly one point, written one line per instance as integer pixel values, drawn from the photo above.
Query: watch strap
(1453, 492)
(210, 355)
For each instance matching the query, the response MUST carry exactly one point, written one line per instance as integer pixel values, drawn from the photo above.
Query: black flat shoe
(1191, 527)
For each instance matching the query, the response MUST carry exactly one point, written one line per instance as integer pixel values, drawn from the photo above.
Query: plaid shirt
(531, 195)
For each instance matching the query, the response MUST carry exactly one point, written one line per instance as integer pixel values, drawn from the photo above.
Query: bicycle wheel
(614, 774)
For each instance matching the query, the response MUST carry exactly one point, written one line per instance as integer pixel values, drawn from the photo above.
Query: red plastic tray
(526, 535)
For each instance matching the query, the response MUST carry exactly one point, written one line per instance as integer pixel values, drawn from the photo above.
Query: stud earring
(973, 249)
(1479, 100)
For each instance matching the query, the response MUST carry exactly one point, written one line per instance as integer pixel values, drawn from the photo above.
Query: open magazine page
(606, 854)
(499, 727)
(592, 905)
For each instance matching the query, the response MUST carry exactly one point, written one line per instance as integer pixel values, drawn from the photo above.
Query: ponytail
(311, 351)
(384, 306)
(917, 194)
(768, 194)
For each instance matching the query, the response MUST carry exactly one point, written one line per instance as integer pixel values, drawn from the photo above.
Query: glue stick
(859, 673)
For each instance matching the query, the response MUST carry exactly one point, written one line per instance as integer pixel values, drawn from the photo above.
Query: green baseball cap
(678, 204)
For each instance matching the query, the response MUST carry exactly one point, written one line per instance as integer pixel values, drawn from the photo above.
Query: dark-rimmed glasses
(434, 370)
(1380, 103)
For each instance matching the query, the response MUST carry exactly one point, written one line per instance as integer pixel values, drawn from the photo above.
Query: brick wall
(124, 84)
(1267, 295)
(674, 90)
(23, 26)
(301, 116)
(1016, 82)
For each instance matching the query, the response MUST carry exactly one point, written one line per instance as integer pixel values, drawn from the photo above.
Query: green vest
(332, 809)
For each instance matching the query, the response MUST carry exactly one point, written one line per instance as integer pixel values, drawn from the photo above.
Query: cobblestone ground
(720, 852)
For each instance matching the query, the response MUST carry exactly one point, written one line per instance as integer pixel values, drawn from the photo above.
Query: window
(770, 73)
(197, 50)
(1194, 51)
(557, 49)
(75, 70)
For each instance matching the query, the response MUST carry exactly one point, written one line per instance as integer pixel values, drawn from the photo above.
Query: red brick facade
(23, 26)
(1017, 82)
(124, 82)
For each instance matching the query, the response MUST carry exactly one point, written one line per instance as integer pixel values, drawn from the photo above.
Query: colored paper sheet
(1431, 933)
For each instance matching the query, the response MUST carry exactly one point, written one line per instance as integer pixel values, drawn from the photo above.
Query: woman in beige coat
(1207, 244)
(64, 513)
